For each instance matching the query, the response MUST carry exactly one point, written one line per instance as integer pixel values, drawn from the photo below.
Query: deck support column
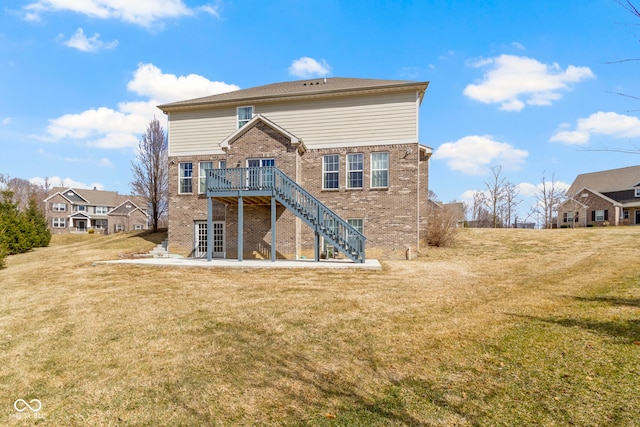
(240, 226)
(209, 228)
(273, 228)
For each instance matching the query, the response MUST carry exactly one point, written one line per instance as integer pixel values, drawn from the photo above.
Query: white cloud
(56, 181)
(105, 162)
(515, 81)
(145, 13)
(518, 46)
(106, 127)
(89, 44)
(306, 67)
(148, 80)
(610, 124)
(6, 121)
(473, 155)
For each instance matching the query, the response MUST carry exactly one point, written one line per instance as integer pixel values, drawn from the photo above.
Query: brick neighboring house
(75, 210)
(299, 169)
(599, 198)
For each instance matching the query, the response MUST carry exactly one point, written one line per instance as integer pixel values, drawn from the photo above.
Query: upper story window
(203, 175)
(185, 184)
(355, 170)
(79, 208)
(637, 192)
(102, 209)
(330, 172)
(223, 164)
(379, 170)
(59, 207)
(244, 115)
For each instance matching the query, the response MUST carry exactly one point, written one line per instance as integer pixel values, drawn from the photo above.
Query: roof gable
(294, 140)
(607, 181)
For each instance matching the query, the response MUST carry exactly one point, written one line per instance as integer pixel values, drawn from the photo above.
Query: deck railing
(272, 181)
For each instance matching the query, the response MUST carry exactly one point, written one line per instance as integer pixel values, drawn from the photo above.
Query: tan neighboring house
(305, 169)
(610, 197)
(75, 210)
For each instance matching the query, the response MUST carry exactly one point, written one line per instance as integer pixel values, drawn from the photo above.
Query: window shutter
(593, 215)
(606, 214)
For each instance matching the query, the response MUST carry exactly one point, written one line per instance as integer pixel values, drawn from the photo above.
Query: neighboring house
(610, 197)
(456, 212)
(75, 210)
(299, 170)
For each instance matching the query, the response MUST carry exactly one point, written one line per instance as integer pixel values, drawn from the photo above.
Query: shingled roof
(606, 181)
(300, 88)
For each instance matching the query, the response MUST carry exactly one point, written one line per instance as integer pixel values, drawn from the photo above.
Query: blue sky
(525, 85)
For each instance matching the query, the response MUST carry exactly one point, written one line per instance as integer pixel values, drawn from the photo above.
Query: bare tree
(479, 212)
(23, 191)
(496, 189)
(150, 171)
(548, 198)
(511, 201)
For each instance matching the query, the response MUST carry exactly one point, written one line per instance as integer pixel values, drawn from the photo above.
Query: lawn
(508, 327)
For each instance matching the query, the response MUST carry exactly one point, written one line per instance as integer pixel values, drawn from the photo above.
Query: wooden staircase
(226, 184)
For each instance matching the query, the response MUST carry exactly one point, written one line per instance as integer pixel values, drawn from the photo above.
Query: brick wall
(394, 219)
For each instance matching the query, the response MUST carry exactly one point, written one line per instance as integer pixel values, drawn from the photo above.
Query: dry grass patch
(508, 327)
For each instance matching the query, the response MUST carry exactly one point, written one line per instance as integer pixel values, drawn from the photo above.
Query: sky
(539, 88)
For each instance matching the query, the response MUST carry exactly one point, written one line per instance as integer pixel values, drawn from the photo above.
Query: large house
(610, 197)
(75, 210)
(328, 167)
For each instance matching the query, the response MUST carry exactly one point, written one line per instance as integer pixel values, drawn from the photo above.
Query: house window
(186, 178)
(637, 193)
(137, 227)
(59, 207)
(118, 227)
(101, 224)
(223, 164)
(77, 208)
(203, 175)
(355, 170)
(330, 172)
(600, 215)
(58, 222)
(379, 170)
(624, 214)
(244, 115)
(102, 209)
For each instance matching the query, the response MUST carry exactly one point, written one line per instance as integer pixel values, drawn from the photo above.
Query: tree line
(23, 225)
(496, 207)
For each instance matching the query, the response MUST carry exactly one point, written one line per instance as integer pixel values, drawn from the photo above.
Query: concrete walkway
(251, 263)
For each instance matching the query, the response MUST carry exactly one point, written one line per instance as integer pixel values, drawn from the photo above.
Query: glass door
(200, 250)
(259, 178)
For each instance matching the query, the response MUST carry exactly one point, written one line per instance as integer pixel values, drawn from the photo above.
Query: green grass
(508, 327)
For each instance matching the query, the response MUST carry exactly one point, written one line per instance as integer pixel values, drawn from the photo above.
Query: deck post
(240, 226)
(273, 228)
(209, 228)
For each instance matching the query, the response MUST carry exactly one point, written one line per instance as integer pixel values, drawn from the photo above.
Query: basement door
(201, 239)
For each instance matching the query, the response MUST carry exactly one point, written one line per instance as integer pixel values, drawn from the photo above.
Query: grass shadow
(619, 330)
(630, 302)
(151, 236)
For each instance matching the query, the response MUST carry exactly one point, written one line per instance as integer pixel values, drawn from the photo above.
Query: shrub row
(21, 231)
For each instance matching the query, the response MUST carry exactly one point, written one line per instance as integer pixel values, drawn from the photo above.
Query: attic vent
(70, 193)
(585, 195)
(127, 206)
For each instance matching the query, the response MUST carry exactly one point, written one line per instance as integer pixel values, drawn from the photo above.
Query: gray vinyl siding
(346, 120)
(200, 131)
